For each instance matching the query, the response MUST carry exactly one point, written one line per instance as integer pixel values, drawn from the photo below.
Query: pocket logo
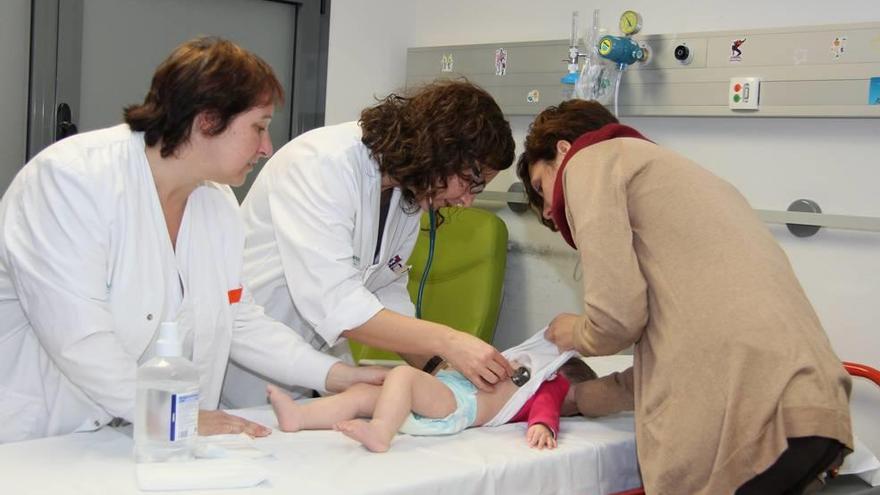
(396, 265)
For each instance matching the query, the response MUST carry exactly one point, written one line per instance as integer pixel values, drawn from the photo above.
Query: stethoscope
(522, 374)
(432, 237)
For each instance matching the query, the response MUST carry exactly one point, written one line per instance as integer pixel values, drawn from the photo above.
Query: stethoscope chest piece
(521, 376)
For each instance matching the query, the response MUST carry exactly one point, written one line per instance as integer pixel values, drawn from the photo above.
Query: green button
(736, 98)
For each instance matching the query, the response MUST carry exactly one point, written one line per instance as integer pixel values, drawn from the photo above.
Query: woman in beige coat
(736, 387)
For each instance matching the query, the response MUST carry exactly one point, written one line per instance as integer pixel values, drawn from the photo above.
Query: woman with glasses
(334, 215)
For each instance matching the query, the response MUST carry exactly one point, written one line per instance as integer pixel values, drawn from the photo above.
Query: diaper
(464, 415)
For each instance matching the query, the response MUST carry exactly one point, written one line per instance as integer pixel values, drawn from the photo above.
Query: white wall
(772, 161)
(14, 48)
(367, 56)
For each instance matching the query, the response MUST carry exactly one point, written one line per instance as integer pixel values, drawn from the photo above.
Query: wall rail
(846, 222)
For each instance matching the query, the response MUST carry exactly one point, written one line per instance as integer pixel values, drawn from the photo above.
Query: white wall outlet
(744, 93)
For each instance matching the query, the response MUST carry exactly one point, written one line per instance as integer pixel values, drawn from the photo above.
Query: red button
(737, 87)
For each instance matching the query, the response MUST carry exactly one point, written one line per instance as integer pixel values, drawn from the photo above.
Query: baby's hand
(540, 437)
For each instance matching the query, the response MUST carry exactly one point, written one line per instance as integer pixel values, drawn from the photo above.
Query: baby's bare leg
(322, 413)
(406, 389)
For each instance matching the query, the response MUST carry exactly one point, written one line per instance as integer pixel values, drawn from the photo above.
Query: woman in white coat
(106, 234)
(334, 215)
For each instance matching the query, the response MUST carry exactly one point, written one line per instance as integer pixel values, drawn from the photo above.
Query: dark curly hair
(206, 74)
(434, 132)
(577, 371)
(567, 122)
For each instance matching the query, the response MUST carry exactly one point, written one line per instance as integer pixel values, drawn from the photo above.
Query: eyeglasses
(478, 184)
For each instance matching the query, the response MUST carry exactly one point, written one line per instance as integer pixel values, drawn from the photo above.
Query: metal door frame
(56, 55)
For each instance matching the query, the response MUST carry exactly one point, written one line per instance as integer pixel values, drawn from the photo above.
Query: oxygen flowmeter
(595, 79)
(623, 50)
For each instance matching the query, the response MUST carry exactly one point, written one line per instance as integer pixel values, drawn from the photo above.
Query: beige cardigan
(730, 358)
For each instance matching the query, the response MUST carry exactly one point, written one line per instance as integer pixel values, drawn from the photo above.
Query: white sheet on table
(595, 457)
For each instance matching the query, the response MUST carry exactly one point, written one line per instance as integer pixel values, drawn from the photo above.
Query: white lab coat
(85, 269)
(311, 219)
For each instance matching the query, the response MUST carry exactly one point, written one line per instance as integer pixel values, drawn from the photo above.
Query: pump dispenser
(167, 402)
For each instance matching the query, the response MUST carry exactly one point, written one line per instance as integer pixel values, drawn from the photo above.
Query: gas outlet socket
(683, 54)
(744, 93)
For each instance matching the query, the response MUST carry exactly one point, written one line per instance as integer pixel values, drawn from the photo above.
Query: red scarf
(606, 132)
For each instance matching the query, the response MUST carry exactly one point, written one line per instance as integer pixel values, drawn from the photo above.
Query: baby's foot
(368, 434)
(287, 411)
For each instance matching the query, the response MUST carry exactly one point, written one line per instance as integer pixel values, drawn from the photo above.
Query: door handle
(64, 127)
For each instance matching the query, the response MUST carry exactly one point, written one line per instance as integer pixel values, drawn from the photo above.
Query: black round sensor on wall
(682, 53)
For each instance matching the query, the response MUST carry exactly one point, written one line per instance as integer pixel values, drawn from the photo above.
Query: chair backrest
(465, 282)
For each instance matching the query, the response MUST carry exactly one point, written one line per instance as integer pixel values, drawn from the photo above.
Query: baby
(412, 401)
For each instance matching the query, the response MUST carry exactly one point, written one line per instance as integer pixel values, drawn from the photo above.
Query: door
(14, 36)
(105, 52)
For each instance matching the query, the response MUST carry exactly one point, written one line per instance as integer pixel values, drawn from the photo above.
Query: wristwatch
(432, 364)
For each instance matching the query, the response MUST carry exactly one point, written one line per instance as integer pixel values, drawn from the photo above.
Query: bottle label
(184, 416)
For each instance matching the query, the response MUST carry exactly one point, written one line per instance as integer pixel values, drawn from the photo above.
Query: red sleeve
(545, 405)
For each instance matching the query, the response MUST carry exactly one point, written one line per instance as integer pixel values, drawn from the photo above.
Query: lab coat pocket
(22, 417)
(381, 276)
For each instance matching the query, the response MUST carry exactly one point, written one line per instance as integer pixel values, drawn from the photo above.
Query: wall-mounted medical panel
(814, 71)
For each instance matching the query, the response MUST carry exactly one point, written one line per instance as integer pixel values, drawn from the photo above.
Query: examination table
(593, 457)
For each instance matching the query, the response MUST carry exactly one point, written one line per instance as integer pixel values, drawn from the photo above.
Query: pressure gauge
(630, 22)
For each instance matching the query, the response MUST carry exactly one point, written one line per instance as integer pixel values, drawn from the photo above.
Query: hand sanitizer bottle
(167, 402)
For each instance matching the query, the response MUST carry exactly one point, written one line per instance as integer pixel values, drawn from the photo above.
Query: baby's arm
(540, 437)
(544, 413)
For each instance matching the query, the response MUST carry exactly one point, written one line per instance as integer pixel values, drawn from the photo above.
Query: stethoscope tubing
(432, 235)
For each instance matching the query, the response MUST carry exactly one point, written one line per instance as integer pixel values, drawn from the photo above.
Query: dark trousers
(798, 469)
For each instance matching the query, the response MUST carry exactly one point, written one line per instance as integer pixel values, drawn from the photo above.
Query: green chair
(465, 283)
